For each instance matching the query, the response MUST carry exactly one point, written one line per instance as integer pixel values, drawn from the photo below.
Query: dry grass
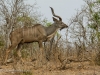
(51, 68)
(62, 62)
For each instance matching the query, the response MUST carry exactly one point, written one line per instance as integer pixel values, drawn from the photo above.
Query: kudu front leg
(6, 56)
(7, 53)
(49, 51)
(41, 57)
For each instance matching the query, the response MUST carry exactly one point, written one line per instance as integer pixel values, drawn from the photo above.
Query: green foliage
(91, 5)
(97, 59)
(98, 34)
(24, 53)
(92, 26)
(58, 35)
(94, 23)
(48, 24)
(1, 42)
(27, 73)
(24, 18)
(96, 17)
(98, 1)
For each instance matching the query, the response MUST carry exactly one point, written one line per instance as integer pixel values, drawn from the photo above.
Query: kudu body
(37, 33)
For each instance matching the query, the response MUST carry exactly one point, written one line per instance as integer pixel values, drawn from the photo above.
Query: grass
(27, 73)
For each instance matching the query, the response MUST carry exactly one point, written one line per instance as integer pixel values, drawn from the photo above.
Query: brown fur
(19, 36)
(28, 34)
(37, 33)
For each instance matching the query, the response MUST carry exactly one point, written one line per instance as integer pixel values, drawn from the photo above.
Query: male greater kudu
(37, 33)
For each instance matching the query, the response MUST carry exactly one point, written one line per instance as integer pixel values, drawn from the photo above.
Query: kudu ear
(54, 19)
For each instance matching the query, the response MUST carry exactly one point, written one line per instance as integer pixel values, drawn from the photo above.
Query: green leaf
(98, 1)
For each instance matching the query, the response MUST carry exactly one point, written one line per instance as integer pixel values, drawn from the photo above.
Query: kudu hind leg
(7, 53)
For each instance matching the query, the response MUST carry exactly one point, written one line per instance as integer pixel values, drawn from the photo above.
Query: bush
(27, 73)
(97, 59)
(1, 43)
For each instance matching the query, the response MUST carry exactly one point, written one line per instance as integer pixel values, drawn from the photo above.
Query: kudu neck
(51, 29)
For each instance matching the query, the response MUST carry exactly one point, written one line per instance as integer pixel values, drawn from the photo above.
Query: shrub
(97, 59)
(27, 73)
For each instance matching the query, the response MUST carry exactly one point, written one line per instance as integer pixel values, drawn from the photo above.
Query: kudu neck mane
(51, 29)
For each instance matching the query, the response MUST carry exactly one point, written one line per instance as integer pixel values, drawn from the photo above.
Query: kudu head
(58, 23)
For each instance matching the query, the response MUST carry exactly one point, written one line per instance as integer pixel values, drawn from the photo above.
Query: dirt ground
(74, 68)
